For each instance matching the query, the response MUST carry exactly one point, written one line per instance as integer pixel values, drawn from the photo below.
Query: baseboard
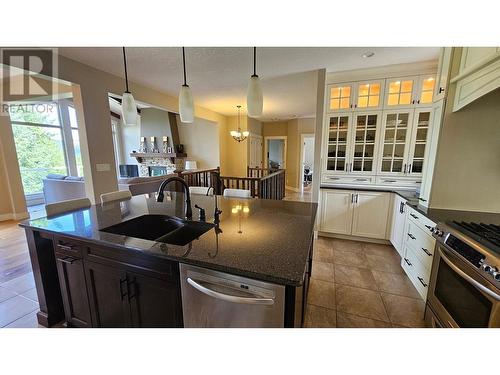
(292, 189)
(354, 238)
(14, 216)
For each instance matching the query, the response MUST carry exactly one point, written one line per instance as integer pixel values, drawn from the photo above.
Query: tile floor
(360, 285)
(19, 302)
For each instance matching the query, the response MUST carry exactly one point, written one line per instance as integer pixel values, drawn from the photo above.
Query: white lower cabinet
(356, 213)
(398, 220)
(418, 246)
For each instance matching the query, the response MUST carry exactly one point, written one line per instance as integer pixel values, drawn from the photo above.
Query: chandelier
(238, 135)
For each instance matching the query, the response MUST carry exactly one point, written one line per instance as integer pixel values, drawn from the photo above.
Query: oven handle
(462, 274)
(228, 297)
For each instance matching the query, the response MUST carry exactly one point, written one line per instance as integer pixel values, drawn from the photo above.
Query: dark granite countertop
(437, 215)
(262, 239)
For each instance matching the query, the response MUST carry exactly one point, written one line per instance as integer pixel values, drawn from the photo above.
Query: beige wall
(467, 171)
(237, 153)
(12, 202)
(201, 142)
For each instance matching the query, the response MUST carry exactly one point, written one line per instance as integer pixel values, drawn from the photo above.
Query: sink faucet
(189, 213)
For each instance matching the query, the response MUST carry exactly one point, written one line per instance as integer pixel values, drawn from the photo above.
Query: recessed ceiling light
(368, 54)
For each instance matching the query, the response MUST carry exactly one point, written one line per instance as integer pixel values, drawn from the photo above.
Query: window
(47, 142)
(39, 143)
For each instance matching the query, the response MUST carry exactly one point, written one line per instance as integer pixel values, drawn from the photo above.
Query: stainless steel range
(465, 278)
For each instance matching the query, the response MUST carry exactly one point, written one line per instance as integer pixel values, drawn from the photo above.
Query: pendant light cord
(184, 66)
(125, 65)
(254, 62)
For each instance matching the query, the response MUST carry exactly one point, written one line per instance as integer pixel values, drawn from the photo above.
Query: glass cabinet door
(363, 151)
(369, 95)
(419, 141)
(426, 90)
(338, 132)
(395, 137)
(340, 97)
(399, 92)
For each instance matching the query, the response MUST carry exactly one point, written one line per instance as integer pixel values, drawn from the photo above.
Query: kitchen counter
(267, 240)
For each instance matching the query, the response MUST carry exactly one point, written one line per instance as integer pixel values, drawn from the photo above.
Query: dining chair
(116, 196)
(65, 206)
(237, 193)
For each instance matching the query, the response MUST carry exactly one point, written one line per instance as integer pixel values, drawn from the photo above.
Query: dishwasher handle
(229, 297)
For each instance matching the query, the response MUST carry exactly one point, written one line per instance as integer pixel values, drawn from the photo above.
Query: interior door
(255, 159)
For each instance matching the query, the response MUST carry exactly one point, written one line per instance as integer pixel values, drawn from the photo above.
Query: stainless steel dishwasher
(220, 300)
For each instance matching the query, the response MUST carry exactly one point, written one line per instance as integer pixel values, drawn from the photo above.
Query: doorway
(307, 161)
(275, 152)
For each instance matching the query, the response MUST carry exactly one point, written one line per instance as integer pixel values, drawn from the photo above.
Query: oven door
(459, 296)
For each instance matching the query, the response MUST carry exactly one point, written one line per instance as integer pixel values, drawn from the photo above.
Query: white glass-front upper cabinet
(395, 135)
(369, 95)
(340, 97)
(338, 134)
(400, 92)
(363, 152)
(418, 143)
(425, 90)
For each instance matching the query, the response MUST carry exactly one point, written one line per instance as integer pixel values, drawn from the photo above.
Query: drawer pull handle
(422, 281)
(422, 199)
(65, 247)
(333, 178)
(408, 262)
(414, 216)
(426, 251)
(67, 260)
(361, 179)
(389, 180)
(123, 291)
(412, 236)
(430, 228)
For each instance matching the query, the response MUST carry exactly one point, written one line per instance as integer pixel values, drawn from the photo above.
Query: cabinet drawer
(69, 247)
(358, 180)
(422, 244)
(421, 221)
(398, 181)
(416, 272)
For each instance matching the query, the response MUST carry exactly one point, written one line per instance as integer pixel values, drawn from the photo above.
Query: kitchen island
(90, 273)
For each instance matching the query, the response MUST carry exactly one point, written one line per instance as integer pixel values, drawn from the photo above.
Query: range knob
(490, 269)
(496, 275)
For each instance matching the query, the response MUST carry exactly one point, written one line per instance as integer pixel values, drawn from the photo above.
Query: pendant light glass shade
(255, 101)
(186, 104)
(129, 110)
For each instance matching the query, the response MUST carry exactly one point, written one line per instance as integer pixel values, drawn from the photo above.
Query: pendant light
(254, 91)
(186, 105)
(129, 110)
(238, 135)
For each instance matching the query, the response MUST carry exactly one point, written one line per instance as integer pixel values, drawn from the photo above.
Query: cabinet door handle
(412, 236)
(355, 106)
(122, 293)
(426, 251)
(67, 260)
(408, 262)
(418, 101)
(404, 169)
(357, 197)
(414, 216)
(413, 101)
(441, 90)
(409, 168)
(422, 281)
(352, 198)
(65, 247)
(131, 284)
